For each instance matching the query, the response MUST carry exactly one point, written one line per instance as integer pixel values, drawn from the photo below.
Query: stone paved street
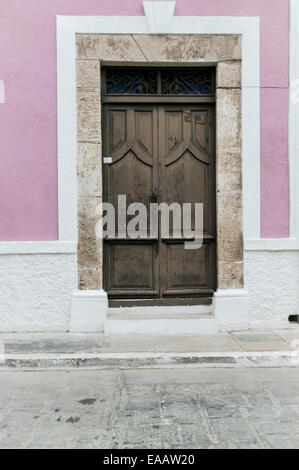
(153, 408)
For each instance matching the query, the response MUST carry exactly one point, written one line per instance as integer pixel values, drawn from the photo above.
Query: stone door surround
(220, 50)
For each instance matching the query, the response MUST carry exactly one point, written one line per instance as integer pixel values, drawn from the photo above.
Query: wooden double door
(159, 153)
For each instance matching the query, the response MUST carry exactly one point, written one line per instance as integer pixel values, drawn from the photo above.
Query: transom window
(158, 81)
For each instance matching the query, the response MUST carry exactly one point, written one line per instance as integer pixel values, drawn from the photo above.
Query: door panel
(162, 153)
(188, 273)
(131, 266)
(117, 129)
(144, 130)
(187, 175)
(130, 176)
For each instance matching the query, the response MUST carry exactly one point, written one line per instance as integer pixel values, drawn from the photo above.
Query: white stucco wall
(272, 279)
(36, 291)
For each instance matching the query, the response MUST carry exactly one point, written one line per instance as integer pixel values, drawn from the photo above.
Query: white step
(161, 320)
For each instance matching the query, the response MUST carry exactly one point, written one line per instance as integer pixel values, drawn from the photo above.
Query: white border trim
(231, 309)
(14, 248)
(293, 123)
(159, 15)
(67, 26)
(292, 243)
(88, 311)
(271, 244)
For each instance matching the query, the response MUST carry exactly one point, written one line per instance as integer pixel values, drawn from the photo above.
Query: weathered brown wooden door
(160, 153)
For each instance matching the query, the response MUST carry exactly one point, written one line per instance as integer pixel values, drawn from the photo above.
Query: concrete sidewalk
(68, 350)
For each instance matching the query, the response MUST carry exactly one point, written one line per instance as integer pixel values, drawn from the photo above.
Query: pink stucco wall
(28, 139)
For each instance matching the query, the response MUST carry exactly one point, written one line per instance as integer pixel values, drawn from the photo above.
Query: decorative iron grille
(131, 82)
(145, 81)
(186, 82)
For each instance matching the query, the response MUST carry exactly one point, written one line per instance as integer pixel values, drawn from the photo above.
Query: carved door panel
(187, 175)
(131, 266)
(160, 153)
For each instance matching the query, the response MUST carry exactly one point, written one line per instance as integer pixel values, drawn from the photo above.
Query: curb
(150, 360)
